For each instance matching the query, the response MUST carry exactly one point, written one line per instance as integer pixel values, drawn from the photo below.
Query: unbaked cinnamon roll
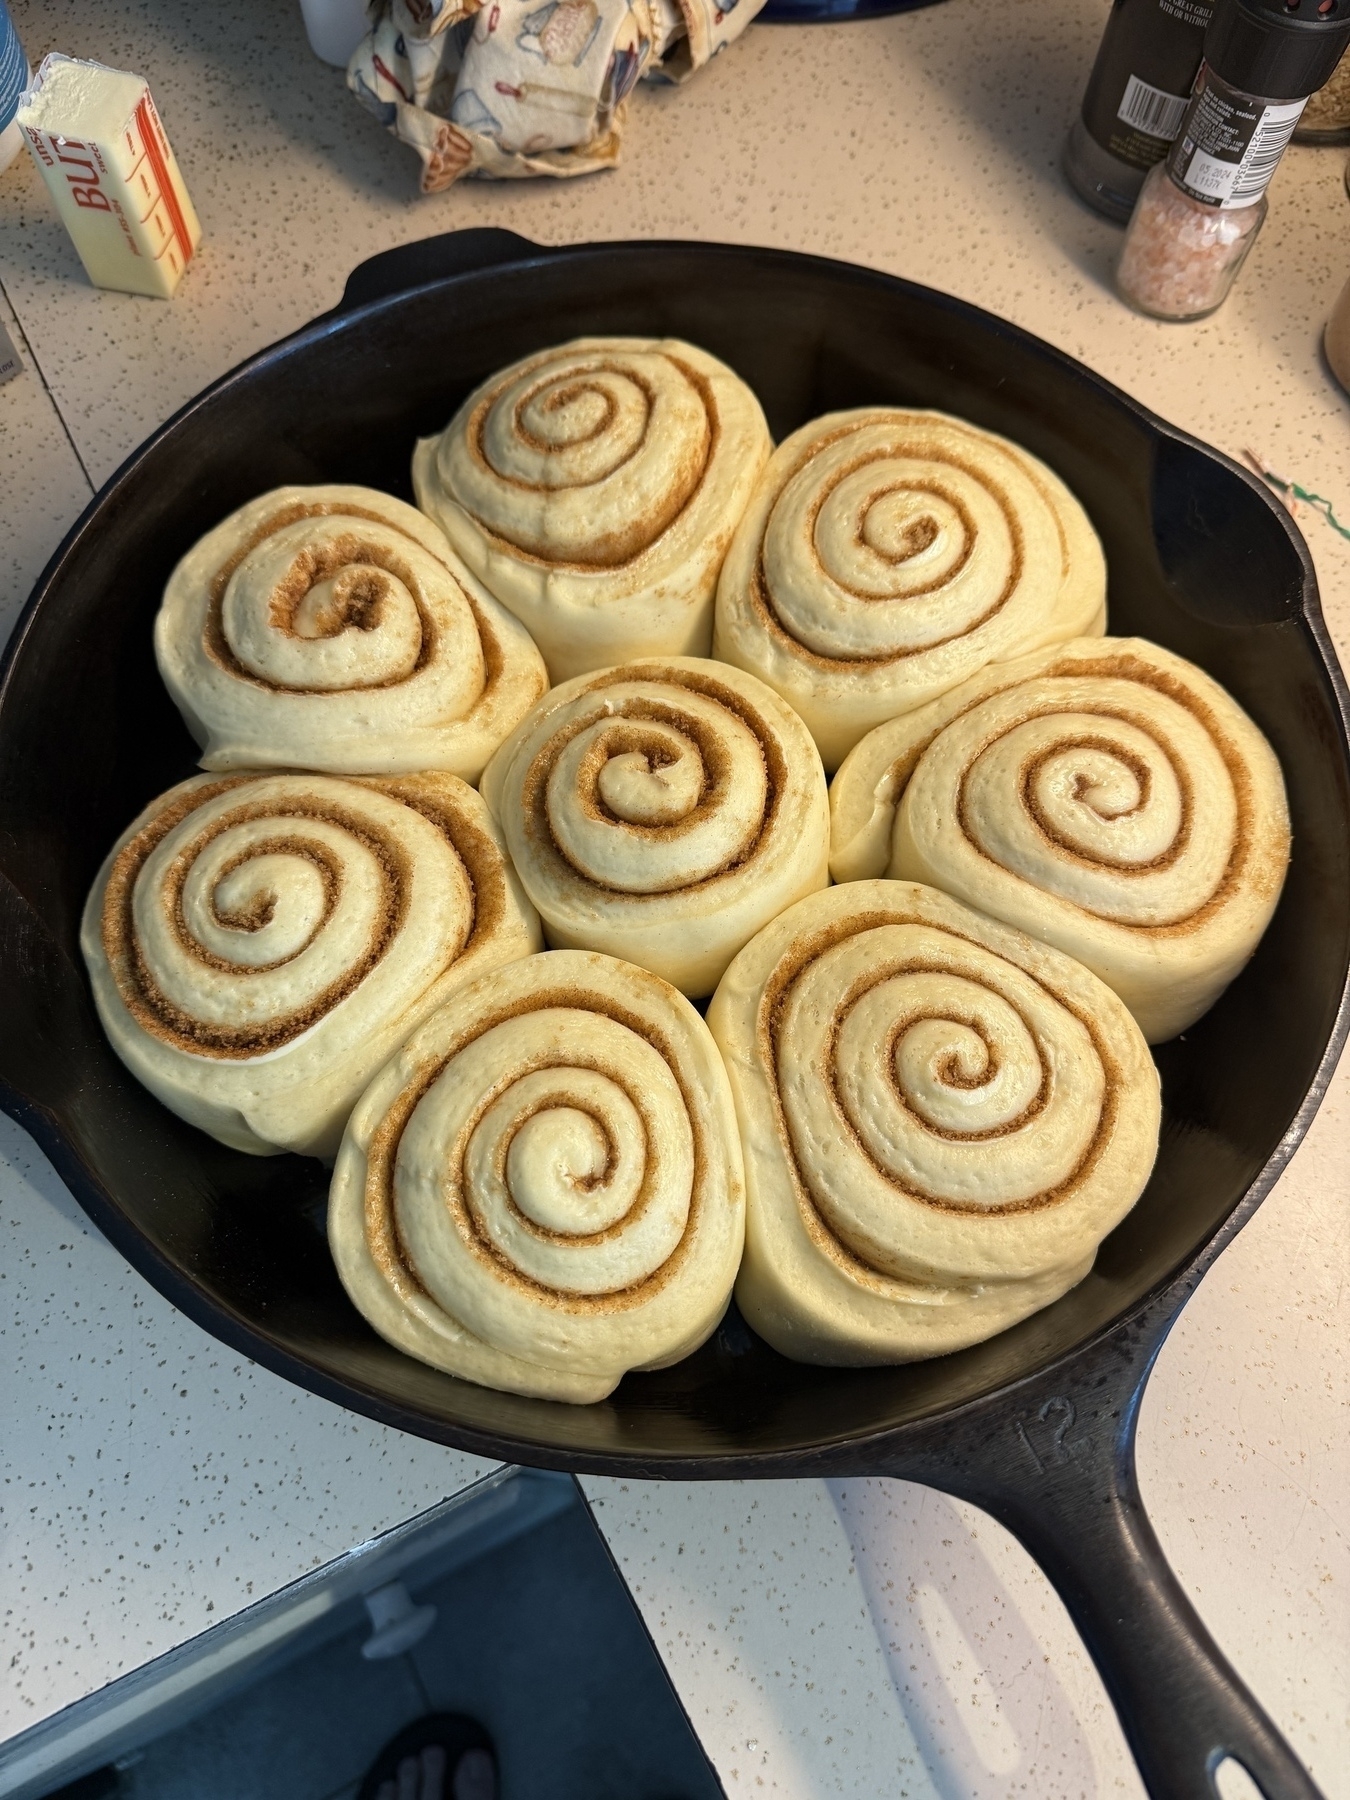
(888, 554)
(662, 812)
(941, 1119)
(1106, 796)
(258, 945)
(334, 628)
(543, 1189)
(594, 489)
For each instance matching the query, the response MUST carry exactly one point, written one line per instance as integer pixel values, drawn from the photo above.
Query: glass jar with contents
(1200, 210)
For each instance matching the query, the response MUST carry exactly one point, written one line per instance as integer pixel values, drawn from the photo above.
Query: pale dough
(334, 628)
(594, 489)
(941, 1119)
(662, 812)
(1106, 796)
(258, 945)
(543, 1189)
(887, 554)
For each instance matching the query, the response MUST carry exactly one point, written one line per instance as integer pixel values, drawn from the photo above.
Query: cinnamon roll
(259, 945)
(543, 1188)
(662, 812)
(594, 489)
(888, 554)
(1105, 796)
(334, 628)
(941, 1119)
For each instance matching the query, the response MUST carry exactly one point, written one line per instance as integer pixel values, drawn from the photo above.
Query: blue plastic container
(14, 76)
(829, 12)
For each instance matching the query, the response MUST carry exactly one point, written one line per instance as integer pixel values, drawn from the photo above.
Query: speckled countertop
(870, 1638)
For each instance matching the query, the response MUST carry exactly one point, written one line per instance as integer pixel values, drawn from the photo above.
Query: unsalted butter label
(119, 190)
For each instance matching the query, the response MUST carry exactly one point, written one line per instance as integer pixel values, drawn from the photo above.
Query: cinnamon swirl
(258, 945)
(1105, 796)
(941, 1119)
(543, 1189)
(662, 812)
(888, 554)
(334, 628)
(594, 489)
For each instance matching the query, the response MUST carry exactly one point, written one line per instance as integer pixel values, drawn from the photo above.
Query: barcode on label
(1262, 154)
(1150, 110)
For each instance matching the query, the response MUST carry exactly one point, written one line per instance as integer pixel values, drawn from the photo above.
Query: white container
(11, 142)
(335, 28)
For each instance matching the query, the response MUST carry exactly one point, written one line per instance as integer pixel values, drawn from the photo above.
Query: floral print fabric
(515, 88)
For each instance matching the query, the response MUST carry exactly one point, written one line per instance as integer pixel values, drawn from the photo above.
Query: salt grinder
(1200, 209)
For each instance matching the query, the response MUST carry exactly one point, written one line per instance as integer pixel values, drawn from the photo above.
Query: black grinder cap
(1279, 49)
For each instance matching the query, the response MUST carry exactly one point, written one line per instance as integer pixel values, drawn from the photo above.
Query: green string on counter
(1301, 493)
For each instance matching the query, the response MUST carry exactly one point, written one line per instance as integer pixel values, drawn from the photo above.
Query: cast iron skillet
(1036, 1426)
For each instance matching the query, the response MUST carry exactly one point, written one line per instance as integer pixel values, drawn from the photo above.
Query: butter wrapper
(10, 364)
(98, 142)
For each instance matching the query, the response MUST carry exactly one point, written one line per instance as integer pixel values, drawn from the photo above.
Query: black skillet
(1036, 1426)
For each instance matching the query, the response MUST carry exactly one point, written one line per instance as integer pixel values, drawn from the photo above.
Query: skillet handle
(1059, 1473)
(416, 265)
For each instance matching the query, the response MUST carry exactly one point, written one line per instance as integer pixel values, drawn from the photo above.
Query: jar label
(1140, 83)
(1229, 144)
(1150, 110)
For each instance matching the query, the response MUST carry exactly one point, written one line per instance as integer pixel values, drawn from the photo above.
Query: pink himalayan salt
(1180, 256)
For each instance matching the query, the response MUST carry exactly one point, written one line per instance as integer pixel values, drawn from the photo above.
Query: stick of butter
(96, 137)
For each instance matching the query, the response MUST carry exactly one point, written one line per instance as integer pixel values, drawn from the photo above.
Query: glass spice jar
(1181, 256)
(1200, 210)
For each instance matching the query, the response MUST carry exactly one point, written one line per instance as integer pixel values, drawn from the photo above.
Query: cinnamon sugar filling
(391, 1254)
(772, 1004)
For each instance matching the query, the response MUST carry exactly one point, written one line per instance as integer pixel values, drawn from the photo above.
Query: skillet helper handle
(418, 264)
(1062, 1478)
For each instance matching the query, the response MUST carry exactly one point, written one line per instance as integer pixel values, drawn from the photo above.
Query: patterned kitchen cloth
(526, 87)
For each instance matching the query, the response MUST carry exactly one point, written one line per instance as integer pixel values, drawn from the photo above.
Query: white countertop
(877, 1638)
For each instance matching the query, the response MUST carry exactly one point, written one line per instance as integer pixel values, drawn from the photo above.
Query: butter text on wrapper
(97, 139)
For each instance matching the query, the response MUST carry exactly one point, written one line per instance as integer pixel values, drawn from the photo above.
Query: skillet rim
(852, 1451)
